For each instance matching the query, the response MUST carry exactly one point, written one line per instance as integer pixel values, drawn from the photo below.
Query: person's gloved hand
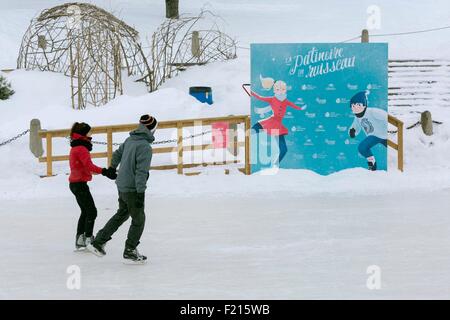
(352, 133)
(140, 199)
(112, 173)
(109, 173)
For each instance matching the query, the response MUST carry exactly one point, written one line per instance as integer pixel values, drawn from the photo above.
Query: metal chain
(184, 138)
(156, 142)
(14, 138)
(415, 125)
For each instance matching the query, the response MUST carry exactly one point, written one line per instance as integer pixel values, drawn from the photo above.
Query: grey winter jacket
(134, 157)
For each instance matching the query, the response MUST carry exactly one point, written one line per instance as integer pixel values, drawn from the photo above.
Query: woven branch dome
(88, 44)
(187, 41)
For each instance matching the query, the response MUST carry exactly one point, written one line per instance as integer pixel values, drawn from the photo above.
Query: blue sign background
(318, 136)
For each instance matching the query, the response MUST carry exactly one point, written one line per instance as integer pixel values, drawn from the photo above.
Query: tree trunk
(172, 9)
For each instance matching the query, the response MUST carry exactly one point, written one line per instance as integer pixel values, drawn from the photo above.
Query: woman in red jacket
(81, 170)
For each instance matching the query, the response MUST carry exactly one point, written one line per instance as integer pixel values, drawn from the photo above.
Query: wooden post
(232, 139)
(400, 146)
(42, 43)
(247, 146)
(427, 123)
(35, 140)
(195, 44)
(72, 71)
(180, 147)
(365, 35)
(109, 139)
(80, 80)
(235, 142)
(49, 155)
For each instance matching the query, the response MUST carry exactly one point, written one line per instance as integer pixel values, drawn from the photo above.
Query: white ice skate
(80, 243)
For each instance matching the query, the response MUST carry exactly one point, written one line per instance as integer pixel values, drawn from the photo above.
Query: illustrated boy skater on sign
(278, 104)
(373, 122)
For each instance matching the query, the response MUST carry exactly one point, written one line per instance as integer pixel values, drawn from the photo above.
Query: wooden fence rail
(399, 145)
(180, 148)
(49, 158)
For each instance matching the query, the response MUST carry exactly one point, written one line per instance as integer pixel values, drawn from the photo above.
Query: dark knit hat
(81, 128)
(148, 121)
(360, 97)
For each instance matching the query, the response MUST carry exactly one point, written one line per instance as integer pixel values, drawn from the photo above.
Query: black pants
(127, 209)
(87, 206)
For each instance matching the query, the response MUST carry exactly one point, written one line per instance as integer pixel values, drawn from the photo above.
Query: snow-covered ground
(292, 235)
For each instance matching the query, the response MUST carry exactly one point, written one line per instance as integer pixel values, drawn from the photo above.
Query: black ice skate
(132, 256)
(97, 249)
(372, 166)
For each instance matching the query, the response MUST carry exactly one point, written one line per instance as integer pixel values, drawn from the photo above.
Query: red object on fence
(219, 134)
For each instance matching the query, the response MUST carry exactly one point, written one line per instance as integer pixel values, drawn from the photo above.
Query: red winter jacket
(81, 166)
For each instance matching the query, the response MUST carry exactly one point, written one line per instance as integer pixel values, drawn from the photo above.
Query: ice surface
(282, 245)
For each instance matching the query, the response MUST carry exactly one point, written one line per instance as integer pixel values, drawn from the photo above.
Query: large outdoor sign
(319, 106)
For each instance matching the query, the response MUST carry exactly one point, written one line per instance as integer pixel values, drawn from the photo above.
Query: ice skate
(132, 256)
(89, 240)
(95, 248)
(80, 243)
(372, 166)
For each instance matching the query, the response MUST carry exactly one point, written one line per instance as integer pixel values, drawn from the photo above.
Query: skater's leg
(283, 148)
(91, 212)
(257, 127)
(122, 215)
(81, 226)
(79, 191)
(137, 223)
(368, 143)
(365, 146)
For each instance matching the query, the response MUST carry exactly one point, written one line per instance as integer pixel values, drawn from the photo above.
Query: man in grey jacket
(134, 157)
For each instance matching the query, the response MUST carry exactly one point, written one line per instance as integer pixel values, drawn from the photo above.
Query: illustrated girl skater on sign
(273, 125)
(373, 122)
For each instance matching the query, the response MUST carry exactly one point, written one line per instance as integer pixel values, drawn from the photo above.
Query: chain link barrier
(105, 143)
(4, 143)
(156, 142)
(418, 123)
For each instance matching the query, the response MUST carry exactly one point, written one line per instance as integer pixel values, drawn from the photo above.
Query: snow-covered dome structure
(88, 44)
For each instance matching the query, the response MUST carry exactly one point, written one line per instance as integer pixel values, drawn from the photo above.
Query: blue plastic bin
(202, 94)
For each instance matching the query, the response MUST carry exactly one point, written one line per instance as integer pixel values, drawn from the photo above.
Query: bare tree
(172, 9)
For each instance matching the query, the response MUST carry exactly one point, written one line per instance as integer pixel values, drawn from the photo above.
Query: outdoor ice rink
(271, 247)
